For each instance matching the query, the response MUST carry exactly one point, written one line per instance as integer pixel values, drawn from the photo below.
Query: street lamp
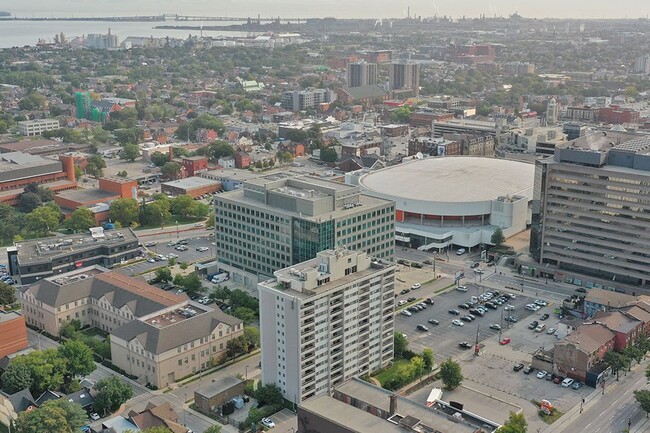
(246, 377)
(177, 231)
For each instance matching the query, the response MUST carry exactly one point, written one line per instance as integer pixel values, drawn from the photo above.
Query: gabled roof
(83, 397)
(21, 400)
(617, 321)
(159, 340)
(590, 337)
(609, 298)
(47, 396)
(157, 416)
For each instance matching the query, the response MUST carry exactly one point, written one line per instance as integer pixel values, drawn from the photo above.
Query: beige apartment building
(167, 346)
(156, 335)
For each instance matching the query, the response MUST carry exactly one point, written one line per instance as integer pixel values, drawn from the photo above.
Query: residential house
(242, 160)
(627, 328)
(157, 416)
(227, 162)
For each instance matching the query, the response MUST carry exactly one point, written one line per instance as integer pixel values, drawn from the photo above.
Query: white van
(460, 251)
(219, 278)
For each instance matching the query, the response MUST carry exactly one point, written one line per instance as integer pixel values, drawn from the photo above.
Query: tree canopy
(111, 393)
(80, 220)
(60, 416)
(451, 374)
(516, 423)
(497, 237)
(125, 211)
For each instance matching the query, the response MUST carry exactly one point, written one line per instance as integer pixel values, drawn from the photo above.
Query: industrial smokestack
(393, 404)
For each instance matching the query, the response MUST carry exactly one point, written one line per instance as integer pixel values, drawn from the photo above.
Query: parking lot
(445, 337)
(161, 247)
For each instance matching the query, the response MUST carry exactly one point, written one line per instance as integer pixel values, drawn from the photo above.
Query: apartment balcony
(309, 357)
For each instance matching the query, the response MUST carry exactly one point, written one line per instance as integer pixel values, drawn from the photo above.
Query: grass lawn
(387, 374)
(95, 332)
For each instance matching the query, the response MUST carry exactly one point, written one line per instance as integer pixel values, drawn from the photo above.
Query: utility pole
(501, 324)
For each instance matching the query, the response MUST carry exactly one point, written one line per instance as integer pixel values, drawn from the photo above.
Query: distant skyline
(337, 8)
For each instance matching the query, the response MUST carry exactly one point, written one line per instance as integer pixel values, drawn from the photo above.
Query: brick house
(626, 328)
(582, 349)
(242, 160)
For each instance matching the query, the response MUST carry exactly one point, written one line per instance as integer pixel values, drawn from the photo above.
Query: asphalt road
(612, 411)
(444, 338)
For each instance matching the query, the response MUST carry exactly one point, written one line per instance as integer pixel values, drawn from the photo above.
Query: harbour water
(20, 33)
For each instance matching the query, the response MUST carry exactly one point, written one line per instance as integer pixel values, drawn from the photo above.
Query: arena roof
(452, 179)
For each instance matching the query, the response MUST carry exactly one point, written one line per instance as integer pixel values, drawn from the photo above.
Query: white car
(461, 288)
(509, 307)
(266, 422)
(551, 331)
(406, 313)
(540, 303)
(94, 416)
(457, 322)
(542, 374)
(400, 303)
(567, 382)
(416, 286)
(460, 251)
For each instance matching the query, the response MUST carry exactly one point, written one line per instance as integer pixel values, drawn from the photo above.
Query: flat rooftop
(453, 179)
(76, 275)
(191, 183)
(265, 180)
(47, 248)
(12, 161)
(87, 195)
(176, 316)
(7, 316)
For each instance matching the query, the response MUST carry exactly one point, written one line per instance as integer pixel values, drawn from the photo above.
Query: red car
(504, 341)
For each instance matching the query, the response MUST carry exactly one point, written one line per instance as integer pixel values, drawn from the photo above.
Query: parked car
(576, 385)
(557, 380)
(406, 313)
(457, 322)
(465, 345)
(454, 312)
(94, 416)
(509, 308)
(422, 328)
(411, 299)
(567, 382)
(581, 290)
(150, 244)
(466, 319)
(518, 367)
(533, 325)
(540, 302)
(400, 303)
(495, 327)
(505, 341)
(540, 328)
(461, 288)
(551, 331)
(268, 423)
(463, 306)
(460, 251)
(430, 301)
(544, 316)
(202, 249)
(404, 292)
(529, 369)
(416, 286)
(475, 265)
(511, 319)
(541, 375)
(433, 321)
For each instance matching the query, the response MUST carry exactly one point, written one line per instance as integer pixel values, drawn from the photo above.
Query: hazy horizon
(335, 8)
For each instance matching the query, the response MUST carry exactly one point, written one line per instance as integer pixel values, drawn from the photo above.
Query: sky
(336, 8)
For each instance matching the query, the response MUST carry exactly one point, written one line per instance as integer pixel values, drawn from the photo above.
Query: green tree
(204, 121)
(245, 314)
(252, 336)
(642, 397)
(171, 170)
(616, 361)
(401, 114)
(269, 394)
(181, 204)
(125, 211)
(80, 220)
(100, 135)
(46, 368)
(75, 416)
(7, 294)
(16, 377)
(28, 201)
(96, 166)
(163, 275)
(157, 429)
(78, 358)
(417, 363)
(451, 374)
(285, 157)
(159, 159)
(198, 209)
(210, 223)
(497, 237)
(632, 352)
(429, 359)
(400, 344)
(111, 393)
(33, 101)
(516, 423)
(328, 154)
(213, 429)
(45, 419)
(191, 283)
(157, 212)
(42, 221)
(130, 152)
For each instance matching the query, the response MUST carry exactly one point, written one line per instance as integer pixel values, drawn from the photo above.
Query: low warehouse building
(192, 186)
(209, 398)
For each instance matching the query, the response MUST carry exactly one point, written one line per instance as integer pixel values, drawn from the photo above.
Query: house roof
(639, 314)
(609, 298)
(120, 290)
(590, 337)
(83, 397)
(617, 321)
(364, 92)
(21, 400)
(157, 416)
(161, 339)
(218, 386)
(47, 396)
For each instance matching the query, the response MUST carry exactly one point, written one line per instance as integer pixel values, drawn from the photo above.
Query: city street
(609, 413)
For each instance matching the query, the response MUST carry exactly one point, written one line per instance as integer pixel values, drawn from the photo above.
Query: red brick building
(17, 170)
(295, 149)
(242, 160)
(424, 118)
(627, 328)
(618, 115)
(194, 165)
(14, 333)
